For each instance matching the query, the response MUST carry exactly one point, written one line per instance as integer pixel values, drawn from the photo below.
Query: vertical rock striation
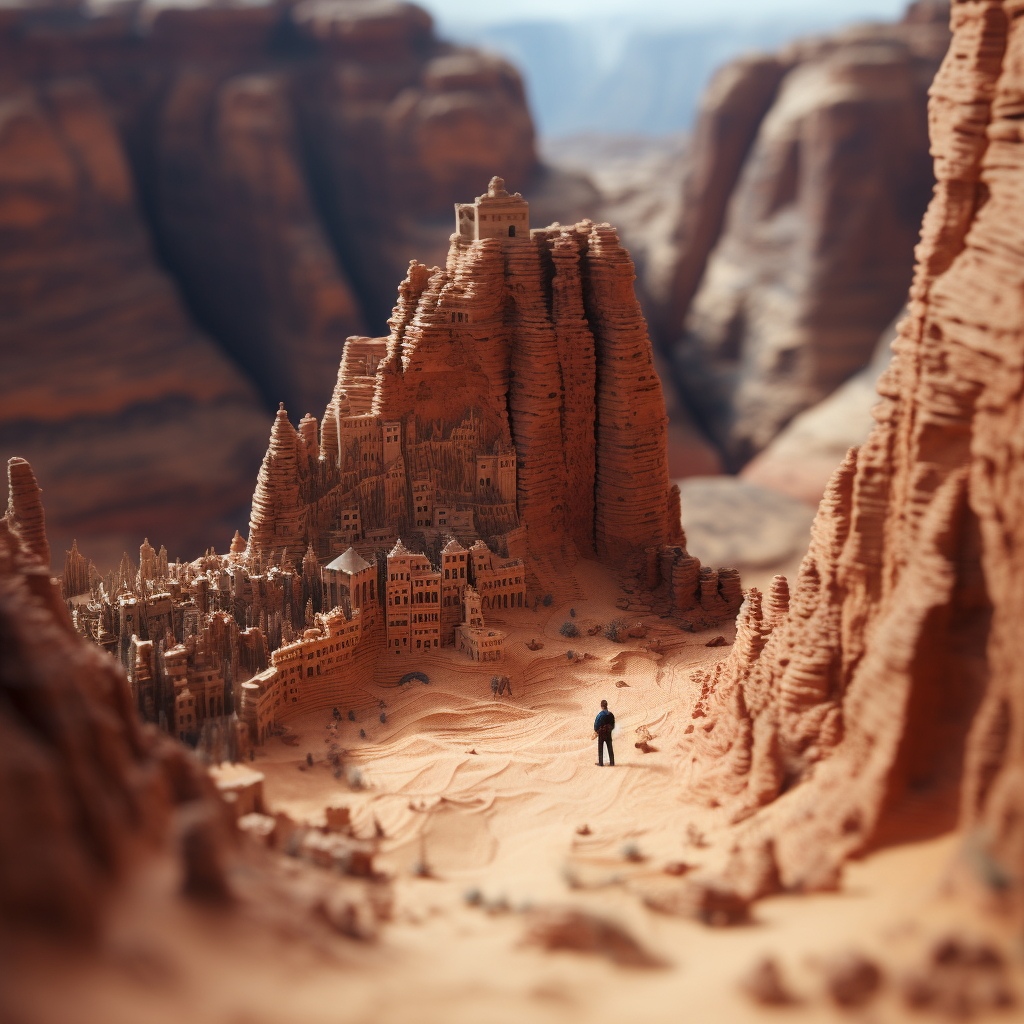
(25, 510)
(578, 363)
(517, 385)
(632, 490)
(888, 701)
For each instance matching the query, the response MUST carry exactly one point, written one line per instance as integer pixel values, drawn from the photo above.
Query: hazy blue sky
(677, 12)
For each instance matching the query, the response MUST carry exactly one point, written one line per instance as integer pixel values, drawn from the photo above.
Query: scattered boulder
(339, 819)
(702, 898)
(582, 932)
(763, 983)
(959, 978)
(851, 979)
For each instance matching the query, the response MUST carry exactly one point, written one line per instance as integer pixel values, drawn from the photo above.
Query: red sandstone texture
(532, 349)
(107, 387)
(801, 205)
(84, 787)
(886, 703)
(263, 171)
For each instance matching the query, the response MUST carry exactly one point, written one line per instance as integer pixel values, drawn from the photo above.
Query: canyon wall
(197, 207)
(883, 699)
(804, 189)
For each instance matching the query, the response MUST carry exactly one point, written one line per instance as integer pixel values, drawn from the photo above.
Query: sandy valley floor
(489, 795)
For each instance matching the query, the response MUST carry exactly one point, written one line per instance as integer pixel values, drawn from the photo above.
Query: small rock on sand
(851, 979)
(581, 932)
(763, 983)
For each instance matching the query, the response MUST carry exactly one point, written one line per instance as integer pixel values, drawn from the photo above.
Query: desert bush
(568, 629)
(615, 630)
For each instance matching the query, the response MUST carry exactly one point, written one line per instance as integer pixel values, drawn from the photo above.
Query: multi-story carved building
(473, 637)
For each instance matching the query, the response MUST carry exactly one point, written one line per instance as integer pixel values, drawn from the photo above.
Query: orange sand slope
(507, 813)
(504, 821)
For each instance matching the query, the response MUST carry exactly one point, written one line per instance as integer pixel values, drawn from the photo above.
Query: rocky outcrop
(526, 347)
(884, 704)
(631, 421)
(799, 221)
(84, 788)
(263, 171)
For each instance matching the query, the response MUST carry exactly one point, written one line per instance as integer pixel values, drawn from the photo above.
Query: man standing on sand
(603, 725)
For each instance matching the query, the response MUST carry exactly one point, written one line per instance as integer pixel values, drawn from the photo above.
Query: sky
(675, 12)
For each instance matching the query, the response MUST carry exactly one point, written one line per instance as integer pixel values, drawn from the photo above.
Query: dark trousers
(602, 742)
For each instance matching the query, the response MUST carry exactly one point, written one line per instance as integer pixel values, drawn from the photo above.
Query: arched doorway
(511, 231)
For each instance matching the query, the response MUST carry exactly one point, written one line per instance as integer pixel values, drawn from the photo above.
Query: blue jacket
(605, 719)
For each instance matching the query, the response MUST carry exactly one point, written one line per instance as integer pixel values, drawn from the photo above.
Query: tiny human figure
(494, 685)
(603, 725)
(508, 685)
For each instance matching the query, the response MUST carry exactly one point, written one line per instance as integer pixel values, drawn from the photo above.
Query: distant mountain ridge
(615, 76)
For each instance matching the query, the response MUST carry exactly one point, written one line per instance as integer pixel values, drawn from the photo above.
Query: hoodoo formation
(887, 703)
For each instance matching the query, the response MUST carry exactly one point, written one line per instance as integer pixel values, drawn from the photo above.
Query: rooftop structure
(495, 214)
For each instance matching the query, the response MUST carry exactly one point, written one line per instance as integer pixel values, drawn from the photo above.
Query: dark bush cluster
(616, 630)
(568, 629)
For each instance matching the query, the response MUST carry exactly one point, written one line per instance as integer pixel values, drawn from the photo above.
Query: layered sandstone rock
(533, 347)
(885, 702)
(631, 421)
(239, 231)
(107, 387)
(815, 166)
(84, 789)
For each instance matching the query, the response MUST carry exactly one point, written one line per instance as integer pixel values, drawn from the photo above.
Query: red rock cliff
(801, 203)
(888, 702)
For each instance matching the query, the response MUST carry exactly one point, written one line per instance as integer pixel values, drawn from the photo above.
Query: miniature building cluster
(221, 654)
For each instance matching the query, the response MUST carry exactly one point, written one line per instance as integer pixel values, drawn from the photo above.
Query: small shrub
(547, 600)
(631, 852)
(616, 631)
(568, 629)
(570, 655)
